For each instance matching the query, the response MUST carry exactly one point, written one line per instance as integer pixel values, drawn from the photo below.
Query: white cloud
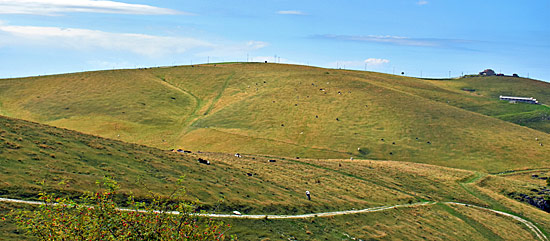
(374, 61)
(291, 12)
(422, 2)
(55, 7)
(256, 44)
(269, 59)
(396, 40)
(86, 39)
(231, 50)
(371, 63)
(141, 44)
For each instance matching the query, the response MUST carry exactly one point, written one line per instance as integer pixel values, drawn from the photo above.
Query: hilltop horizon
(259, 62)
(421, 38)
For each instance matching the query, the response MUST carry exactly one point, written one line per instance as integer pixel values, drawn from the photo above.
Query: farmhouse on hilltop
(487, 72)
(513, 99)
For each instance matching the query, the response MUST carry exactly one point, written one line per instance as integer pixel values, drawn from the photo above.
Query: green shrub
(98, 217)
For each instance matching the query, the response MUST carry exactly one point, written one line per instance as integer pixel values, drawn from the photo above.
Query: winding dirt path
(539, 234)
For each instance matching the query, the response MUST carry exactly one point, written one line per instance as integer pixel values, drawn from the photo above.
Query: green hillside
(490, 88)
(295, 111)
(31, 152)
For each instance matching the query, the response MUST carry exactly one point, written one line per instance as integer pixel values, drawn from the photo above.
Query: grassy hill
(32, 152)
(295, 111)
(490, 88)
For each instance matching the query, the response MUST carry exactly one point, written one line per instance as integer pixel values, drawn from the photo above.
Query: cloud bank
(422, 2)
(370, 62)
(374, 61)
(56, 7)
(141, 44)
(397, 40)
(290, 12)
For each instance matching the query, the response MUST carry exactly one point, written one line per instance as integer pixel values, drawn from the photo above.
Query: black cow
(204, 161)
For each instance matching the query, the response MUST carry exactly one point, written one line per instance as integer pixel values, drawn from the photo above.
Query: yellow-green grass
(437, 222)
(495, 190)
(488, 90)
(32, 152)
(280, 110)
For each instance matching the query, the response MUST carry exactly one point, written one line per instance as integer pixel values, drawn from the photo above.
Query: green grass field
(33, 152)
(296, 111)
(411, 140)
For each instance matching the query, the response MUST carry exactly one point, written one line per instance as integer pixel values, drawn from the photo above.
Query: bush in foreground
(98, 217)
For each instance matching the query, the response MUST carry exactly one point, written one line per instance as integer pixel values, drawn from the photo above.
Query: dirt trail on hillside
(539, 234)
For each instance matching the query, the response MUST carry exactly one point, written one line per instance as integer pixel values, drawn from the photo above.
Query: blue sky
(429, 38)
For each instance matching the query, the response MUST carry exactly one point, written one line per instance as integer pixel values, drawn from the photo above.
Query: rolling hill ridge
(296, 111)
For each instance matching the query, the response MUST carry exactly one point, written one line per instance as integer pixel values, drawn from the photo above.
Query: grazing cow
(180, 150)
(249, 174)
(337, 119)
(187, 152)
(204, 161)
(238, 155)
(271, 160)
